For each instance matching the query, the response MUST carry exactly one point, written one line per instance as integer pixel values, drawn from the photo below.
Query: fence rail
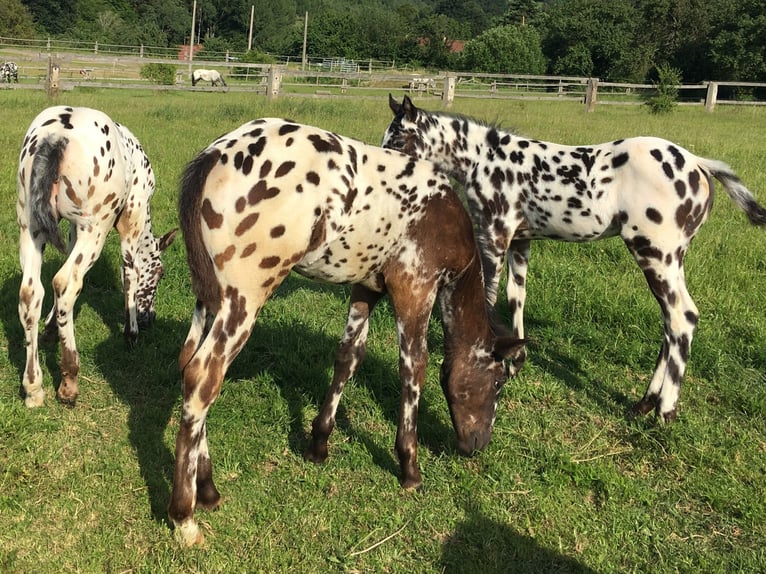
(111, 66)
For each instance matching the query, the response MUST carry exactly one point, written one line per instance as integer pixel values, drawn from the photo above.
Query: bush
(164, 74)
(665, 98)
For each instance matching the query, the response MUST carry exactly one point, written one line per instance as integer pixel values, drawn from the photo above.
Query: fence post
(591, 92)
(52, 82)
(448, 93)
(275, 79)
(711, 97)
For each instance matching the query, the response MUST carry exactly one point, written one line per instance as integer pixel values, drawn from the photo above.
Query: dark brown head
(472, 386)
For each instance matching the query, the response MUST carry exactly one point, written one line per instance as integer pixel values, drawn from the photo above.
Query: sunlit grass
(569, 483)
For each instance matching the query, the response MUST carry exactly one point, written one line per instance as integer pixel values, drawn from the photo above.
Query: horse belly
(562, 221)
(346, 259)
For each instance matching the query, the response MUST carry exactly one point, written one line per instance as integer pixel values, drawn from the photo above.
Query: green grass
(568, 484)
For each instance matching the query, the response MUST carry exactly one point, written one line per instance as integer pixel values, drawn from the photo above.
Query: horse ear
(508, 347)
(395, 106)
(167, 239)
(409, 109)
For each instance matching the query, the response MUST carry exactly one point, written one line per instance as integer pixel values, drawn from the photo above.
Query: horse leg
(516, 291)
(31, 293)
(67, 284)
(348, 357)
(412, 309)
(203, 375)
(202, 320)
(51, 330)
(680, 315)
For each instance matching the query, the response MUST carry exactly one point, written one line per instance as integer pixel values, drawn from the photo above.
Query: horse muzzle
(473, 442)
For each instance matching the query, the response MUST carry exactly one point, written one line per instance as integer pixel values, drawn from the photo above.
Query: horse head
(150, 272)
(472, 386)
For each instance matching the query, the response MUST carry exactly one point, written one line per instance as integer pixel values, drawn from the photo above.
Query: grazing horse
(651, 192)
(9, 72)
(79, 165)
(212, 76)
(273, 196)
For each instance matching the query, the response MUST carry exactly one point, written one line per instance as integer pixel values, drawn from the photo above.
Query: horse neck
(147, 239)
(465, 316)
(460, 145)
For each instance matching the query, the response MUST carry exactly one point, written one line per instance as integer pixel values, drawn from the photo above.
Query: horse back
(279, 195)
(93, 172)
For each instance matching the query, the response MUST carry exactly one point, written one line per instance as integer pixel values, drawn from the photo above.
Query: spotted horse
(9, 72)
(651, 192)
(274, 196)
(79, 165)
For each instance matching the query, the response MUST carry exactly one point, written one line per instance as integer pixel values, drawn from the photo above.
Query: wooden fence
(77, 69)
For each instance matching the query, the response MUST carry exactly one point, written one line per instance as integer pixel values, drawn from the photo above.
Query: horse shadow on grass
(480, 544)
(149, 383)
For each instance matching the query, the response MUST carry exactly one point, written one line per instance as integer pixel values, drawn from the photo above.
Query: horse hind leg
(348, 357)
(31, 294)
(516, 290)
(203, 375)
(50, 333)
(681, 315)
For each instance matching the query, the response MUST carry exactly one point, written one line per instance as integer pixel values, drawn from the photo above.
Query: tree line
(618, 40)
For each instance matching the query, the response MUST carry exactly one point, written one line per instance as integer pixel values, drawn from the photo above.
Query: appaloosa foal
(651, 192)
(79, 165)
(273, 196)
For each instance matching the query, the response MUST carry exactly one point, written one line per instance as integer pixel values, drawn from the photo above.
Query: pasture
(569, 483)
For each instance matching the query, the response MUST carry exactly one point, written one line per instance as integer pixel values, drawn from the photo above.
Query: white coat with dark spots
(79, 165)
(275, 196)
(652, 193)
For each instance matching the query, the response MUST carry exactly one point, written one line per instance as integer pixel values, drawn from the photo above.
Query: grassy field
(569, 483)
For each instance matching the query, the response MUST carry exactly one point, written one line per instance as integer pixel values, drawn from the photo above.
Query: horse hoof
(315, 454)
(642, 407)
(669, 417)
(34, 400)
(208, 498)
(188, 534)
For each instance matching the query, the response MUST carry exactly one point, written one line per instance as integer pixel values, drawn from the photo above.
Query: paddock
(568, 483)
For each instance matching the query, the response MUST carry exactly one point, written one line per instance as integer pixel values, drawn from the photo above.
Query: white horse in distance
(213, 76)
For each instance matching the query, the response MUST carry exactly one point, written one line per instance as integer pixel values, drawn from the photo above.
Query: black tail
(205, 285)
(45, 172)
(739, 194)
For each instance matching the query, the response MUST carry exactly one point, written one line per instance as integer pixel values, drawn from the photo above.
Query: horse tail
(204, 282)
(194, 78)
(45, 173)
(739, 194)
(222, 80)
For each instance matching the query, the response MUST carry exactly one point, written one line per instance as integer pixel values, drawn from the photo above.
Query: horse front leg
(516, 291)
(31, 293)
(348, 357)
(130, 287)
(413, 360)
(412, 310)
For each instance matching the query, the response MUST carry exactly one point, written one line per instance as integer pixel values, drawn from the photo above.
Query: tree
(53, 16)
(16, 19)
(606, 30)
(506, 50)
(737, 44)
(676, 32)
